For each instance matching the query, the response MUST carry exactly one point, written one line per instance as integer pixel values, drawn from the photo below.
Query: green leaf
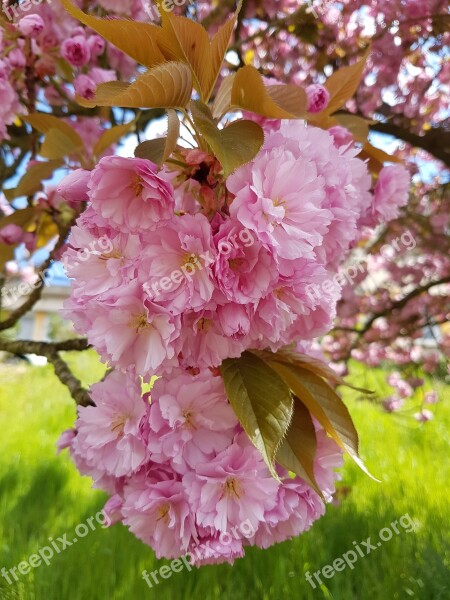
(138, 40)
(261, 401)
(31, 182)
(325, 405)
(233, 146)
(166, 86)
(274, 102)
(298, 450)
(160, 149)
(343, 84)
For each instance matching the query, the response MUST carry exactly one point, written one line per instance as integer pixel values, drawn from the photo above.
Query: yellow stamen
(139, 322)
(232, 487)
(137, 185)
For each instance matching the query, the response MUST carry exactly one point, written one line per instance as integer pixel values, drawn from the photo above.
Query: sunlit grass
(42, 496)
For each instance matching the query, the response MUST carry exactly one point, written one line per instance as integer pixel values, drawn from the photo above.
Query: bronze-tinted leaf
(160, 149)
(343, 84)
(31, 182)
(44, 123)
(112, 136)
(58, 145)
(190, 43)
(274, 102)
(325, 405)
(166, 86)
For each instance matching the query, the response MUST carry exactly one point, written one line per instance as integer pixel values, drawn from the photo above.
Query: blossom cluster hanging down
(203, 268)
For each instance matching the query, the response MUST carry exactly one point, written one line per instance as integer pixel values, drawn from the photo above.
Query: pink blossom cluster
(183, 475)
(199, 270)
(191, 289)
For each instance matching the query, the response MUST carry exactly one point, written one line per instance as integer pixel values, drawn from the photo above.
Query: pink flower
(391, 192)
(11, 234)
(109, 434)
(76, 51)
(96, 45)
(85, 86)
(113, 510)
(130, 194)
(431, 397)
(131, 332)
(190, 418)
(100, 263)
(297, 507)
(156, 510)
(318, 98)
(17, 59)
(65, 440)
(234, 487)
(31, 26)
(74, 187)
(177, 264)
(279, 197)
(341, 135)
(203, 342)
(424, 416)
(393, 403)
(244, 269)
(215, 549)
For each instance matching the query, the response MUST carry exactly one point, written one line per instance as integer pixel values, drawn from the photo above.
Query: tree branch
(436, 141)
(51, 352)
(399, 304)
(36, 294)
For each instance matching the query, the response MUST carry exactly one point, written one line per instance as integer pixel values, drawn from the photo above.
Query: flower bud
(318, 98)
(74, 187)
(31, 26)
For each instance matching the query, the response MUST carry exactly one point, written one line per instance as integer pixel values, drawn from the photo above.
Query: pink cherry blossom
(130, 194)
(190, 418)
(234, 487)
(110, 434)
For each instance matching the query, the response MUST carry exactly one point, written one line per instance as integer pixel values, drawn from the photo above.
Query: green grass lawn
(42, 496)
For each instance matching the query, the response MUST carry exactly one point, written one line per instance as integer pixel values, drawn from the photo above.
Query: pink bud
(29, 239)
(17, 59)
(318, 98)
(96, 45)
(85, 86)
(76, 51)
(31, 26)
(74, 187)
(11, 235)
